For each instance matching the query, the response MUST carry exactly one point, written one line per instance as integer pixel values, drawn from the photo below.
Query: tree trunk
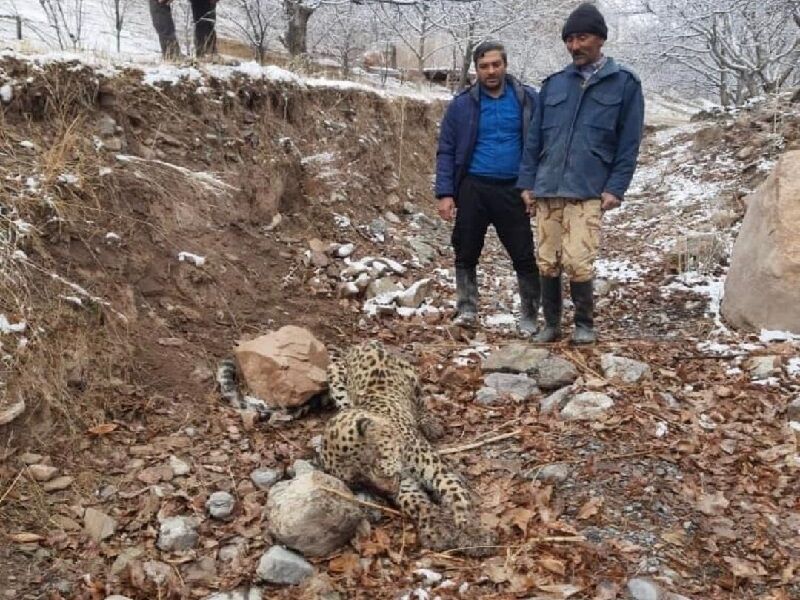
(297, 27)
(463, 79)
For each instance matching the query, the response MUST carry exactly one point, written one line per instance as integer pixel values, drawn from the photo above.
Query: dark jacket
(459, 131)
(584, 140)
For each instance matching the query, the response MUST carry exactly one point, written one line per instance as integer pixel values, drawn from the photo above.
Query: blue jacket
(584, 140)
(459, 132)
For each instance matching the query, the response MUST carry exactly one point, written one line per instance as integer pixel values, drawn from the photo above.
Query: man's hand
(529, 201)
(609, 201)
(447, 208)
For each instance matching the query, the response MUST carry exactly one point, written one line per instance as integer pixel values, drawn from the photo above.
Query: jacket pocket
(554, 110)
(604, 153)
(603, 109)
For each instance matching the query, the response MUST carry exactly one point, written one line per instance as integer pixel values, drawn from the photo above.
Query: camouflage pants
(567, 237)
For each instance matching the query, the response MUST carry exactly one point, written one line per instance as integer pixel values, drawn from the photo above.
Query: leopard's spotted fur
(381, 439)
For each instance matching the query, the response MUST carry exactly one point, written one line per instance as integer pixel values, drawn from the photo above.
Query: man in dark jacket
(204, 16)
(477, 164)
(579, 159)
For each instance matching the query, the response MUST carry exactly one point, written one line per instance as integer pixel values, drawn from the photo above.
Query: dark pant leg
(161, 15)
(205, 38)
(513, 225)
(472, 221)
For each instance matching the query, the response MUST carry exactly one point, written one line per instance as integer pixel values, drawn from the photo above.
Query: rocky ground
(660, 463)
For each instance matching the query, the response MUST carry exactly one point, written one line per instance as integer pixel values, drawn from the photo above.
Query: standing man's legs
(469, 231)
(581, 244)
(549, 233)
(161, 15)
(205, 16)
(513, 227)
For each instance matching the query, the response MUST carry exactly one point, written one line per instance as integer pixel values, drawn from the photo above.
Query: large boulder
(304, 515)
(761, 287)
(284, 368)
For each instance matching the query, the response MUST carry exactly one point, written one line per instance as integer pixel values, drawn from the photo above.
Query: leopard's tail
(229, 384)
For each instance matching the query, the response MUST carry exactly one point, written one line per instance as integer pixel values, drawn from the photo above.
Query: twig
(11, 487)
(576, 461)
(354, 500)
(473, 445)
(554, 539)
(579, 359)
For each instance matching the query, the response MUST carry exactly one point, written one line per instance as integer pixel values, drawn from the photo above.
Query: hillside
(154, 216)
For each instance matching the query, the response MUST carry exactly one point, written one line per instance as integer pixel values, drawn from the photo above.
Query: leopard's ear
(363, 424)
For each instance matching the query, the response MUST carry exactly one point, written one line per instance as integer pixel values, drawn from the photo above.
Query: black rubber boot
(551, 308)
(583, 298)
(529, 295)
(467, 296)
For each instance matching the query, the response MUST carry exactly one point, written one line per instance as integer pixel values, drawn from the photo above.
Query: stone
(603, 287)
(487, 396)
(516, 386)
(152, 475)
(304, 516)
(158, 572)
(424, 252)
(220, 505)
(345, 250)
(377, 229)
(644, 589)
(179, 467)
(556, 401)
(42, 472)
(265, 478)
(245, 593)
(586, 406)
(383, 287)
(348, 289)
(320, 259)
(764, 276)
(284, 368)
(392, 218)
(624, 369)
(177, 533)
(555, 372)
(233, 551)
(98, 525)
(118, 597)
(761, 367)
(415, 294)
(106, 126)
(279, 565)
(517, 357)
(124, 558)
(793, 410)
(409, 208)
(58, 484)
(203, 570)
(12, 411)
(30, 458)
(300, 467)
(557, 473)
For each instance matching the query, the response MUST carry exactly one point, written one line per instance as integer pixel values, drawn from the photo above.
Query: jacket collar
(609, 68)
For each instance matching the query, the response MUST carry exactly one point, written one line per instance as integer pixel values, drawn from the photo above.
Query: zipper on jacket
(584, 87)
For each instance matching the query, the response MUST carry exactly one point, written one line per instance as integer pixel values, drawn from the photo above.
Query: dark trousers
(483, 202)
(204, 16)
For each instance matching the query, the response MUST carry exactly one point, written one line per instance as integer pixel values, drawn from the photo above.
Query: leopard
(381, 439)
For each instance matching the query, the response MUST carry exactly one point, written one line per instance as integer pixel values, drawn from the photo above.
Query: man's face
(585, 48)
(491, 70)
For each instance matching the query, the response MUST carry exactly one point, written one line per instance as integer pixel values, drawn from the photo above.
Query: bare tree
(65, 17)
(117, 10)
(256, 20)
(742, 48)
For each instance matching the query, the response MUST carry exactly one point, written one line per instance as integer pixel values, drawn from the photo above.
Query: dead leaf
(25, 538)
(558, 591)
(553, 565)
(103, 428)
(744, 569)
(347, 564)
(496, 569)
(606, 590)
(712, 504)
(591, 508)
(520, 517)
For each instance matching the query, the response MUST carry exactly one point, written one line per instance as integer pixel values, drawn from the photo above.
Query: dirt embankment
(116, 179)
(145, 228)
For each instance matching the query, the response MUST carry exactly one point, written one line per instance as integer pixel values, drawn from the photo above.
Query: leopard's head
(381, 454)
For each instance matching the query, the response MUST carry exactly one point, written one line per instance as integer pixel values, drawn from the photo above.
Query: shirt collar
(588, 70)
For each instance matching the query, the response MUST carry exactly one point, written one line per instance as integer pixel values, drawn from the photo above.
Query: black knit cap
(585, 19)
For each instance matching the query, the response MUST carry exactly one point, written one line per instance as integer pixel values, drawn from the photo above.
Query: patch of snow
(6, 93)
(620, 270)
(766, 336)
(661, 429)
(767, 382)
(7, 327)
(428, 577)
(705, 285)
(68, 178)
(341, 221)
(321, 158)
(23, 227)
(112, 237)
(104, 171)
(19, 255)
(793, 366)
(72, 299)
(500, 320)
(198, 261)
(27, 144)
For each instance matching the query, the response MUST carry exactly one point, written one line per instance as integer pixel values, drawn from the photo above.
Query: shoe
(582, 293)
(529, 296)
(466, 297)
(551, 308)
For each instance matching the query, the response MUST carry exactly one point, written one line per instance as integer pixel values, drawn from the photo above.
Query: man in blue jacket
(578, 162)
(477, 165)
